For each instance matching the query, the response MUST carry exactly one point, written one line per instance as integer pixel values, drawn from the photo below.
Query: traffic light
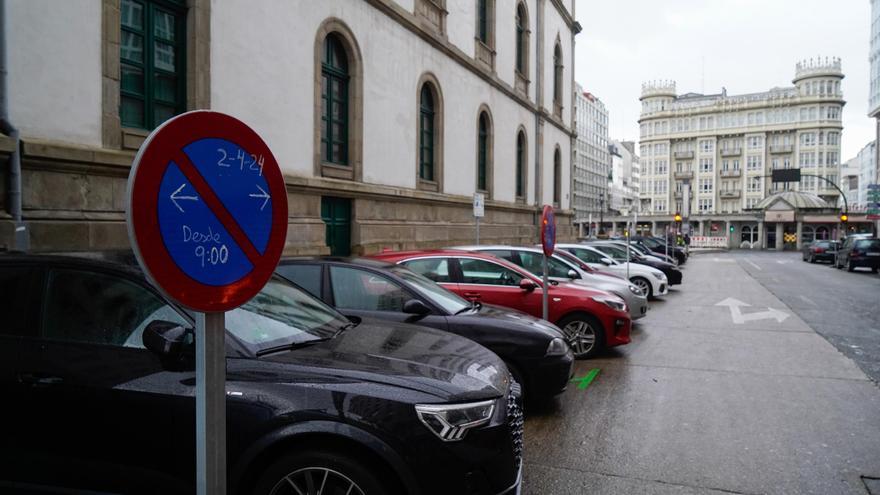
(732, 228)
(844, 217)
(677, 217)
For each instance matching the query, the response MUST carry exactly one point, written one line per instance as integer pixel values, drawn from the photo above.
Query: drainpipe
(13, 191)
(539, 101)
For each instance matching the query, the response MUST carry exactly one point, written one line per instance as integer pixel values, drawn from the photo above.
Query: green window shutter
(482, 152)
(520, 164)
(483, 21)
(334, 102)
(152, 62)
(426, 134)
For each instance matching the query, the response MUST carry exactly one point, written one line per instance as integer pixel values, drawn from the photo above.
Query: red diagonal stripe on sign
(216, 206)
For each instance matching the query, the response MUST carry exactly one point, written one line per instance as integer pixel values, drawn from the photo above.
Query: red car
(590, 319)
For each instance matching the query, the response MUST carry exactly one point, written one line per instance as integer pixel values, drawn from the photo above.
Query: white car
(651, 280)
(560, 270)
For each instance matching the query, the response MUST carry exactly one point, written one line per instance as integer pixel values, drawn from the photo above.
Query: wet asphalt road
(744, 397)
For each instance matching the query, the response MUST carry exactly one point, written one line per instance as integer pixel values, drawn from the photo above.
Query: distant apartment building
(874, 94)
(862, 170)
(592, 161)
(625, 174)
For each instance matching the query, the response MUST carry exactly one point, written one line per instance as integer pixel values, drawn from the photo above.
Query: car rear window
(869, 244)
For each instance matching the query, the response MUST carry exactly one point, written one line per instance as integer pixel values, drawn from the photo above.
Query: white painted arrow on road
(263, 195)
(739, 318)
(175, 197)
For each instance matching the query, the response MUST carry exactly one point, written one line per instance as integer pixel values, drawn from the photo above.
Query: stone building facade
(386, 116)
(719, 150)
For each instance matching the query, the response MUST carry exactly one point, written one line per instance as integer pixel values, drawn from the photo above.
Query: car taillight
(820, 250)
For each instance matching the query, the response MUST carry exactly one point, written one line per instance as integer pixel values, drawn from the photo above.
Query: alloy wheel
(643, 286)
(316, 481)
(581, 337)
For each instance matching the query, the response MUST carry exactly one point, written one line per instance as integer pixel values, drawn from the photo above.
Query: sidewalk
(700, 404)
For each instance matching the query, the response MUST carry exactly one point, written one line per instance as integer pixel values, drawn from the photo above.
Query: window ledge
(484, 53)
(337, 171)
(428, 185)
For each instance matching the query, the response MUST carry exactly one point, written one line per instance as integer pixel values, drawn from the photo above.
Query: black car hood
(660, 265)
(516, 319)
(432, 362)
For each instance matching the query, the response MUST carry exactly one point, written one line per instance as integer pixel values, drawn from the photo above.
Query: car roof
(397, 256)
(500, 247)
(123, 260)
(349, 260)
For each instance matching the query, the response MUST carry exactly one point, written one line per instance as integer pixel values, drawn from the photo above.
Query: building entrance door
(336, 214)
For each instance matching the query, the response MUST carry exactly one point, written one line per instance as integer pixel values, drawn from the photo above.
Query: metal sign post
(207, 220)
(479, 212)
(548, 244)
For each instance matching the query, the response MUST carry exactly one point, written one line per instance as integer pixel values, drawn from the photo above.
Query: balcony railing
(677, 195)
(684, 175)
(683, 155)
(731, 173)
(730, 194)
(781, 148)
(731, 151)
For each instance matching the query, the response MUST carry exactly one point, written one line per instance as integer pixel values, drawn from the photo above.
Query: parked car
(659, 246)
(859, 251)
(534, 350)
(617, 251)
(820, 251)
(590, 319)
(651, 281)
(561, 269)
(98, 385)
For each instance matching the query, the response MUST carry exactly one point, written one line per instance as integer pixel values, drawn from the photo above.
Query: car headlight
(635, 290)
(557, 347)
(658, 276)
(617, 304)
(450, 422)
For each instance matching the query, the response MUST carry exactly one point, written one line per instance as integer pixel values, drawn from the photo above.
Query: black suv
(859, 250)
(313, 399)
(534, 350)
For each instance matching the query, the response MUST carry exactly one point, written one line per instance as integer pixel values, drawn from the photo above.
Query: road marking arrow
(739, 318)
(263, 195)
(175, 197)
(585, 381)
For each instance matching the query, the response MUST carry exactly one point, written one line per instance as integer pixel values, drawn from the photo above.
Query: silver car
(563, 267)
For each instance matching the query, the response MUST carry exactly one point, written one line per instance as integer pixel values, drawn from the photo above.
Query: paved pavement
(699, 404)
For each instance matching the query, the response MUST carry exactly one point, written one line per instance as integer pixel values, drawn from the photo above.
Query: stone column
(800, 227)
(581, 230)
(701, 228)
(729, 236)
(779, 234)
(613, 227)
(762, 242)
(653, 228)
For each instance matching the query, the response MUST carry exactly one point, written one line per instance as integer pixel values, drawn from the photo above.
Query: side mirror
(527, 285)
(166, 339)
(416, 307)
(607, 261)
(573, 274)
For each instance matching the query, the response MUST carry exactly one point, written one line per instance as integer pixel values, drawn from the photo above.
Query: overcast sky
(746, 46)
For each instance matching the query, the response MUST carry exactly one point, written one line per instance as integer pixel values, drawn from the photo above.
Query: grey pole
(544, 295)
(211, 403)
(478, 230)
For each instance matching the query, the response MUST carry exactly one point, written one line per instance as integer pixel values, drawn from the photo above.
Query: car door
(370, 294)
(18, 285)
(107, 415)
(492, 283)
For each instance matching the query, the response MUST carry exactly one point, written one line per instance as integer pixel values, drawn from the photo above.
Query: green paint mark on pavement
(585, 381)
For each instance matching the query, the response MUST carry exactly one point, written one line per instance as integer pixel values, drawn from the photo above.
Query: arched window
(521, 165)
(338, 110)
(483, 21)
(522, 43)
(557, 176)
(426, 134)
(483, 140)
(484, 40)
(334, 102)
(557, 80)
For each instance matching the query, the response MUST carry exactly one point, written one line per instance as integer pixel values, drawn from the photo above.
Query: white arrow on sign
(263, 195)
(739, 318)
(175, 197)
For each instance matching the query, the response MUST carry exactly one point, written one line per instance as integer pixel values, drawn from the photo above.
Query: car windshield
(448, 300)
(616, 253)
(573, 260)
(280, 315)
(650, 242)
